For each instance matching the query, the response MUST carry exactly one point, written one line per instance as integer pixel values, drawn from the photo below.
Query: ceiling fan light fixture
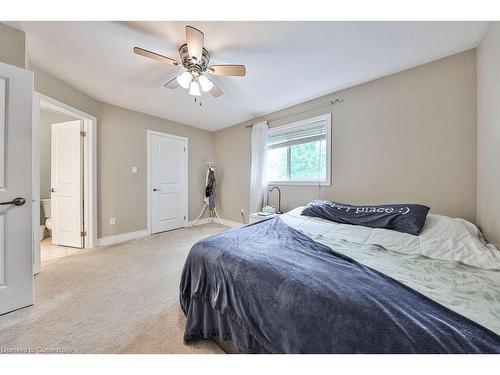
(184, 80)
(205, 83)
(195, 60)
(194, 88)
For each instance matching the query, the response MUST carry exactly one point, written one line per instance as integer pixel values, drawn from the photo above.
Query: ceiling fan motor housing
(193, 65)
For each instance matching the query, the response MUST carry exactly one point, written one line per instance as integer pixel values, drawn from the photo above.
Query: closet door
(168, 181)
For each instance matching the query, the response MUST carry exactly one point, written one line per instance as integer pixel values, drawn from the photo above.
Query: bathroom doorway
(56, 126)
(63, 180)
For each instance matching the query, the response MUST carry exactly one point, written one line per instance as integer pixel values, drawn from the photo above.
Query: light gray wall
(488, 134)
(408, 137)
(12, 46)
(121, 145)
(121, 137)
(57, 89)
(47, 118)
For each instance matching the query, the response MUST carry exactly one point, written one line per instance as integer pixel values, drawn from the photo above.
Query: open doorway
(61, 146)
(64, 181)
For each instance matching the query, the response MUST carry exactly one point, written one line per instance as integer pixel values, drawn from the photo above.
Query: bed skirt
(205, 322)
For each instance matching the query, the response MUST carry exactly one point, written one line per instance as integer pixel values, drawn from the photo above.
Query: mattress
(470, 291)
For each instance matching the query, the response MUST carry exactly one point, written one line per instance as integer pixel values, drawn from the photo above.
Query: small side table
(255, 217)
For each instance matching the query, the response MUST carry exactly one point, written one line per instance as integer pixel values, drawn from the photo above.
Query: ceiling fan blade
(228, 70)
(216, 91)
(194, 40)
(172, 84)
(155, 56)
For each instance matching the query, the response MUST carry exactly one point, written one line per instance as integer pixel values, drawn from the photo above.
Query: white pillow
(442, 238)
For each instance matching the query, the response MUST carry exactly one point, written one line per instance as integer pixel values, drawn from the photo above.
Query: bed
(298, 284)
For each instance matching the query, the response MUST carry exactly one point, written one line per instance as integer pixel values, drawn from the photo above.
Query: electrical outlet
(134, 170)
(243, 211)
(112, 220)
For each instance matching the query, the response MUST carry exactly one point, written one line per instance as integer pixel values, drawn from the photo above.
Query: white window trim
(326, 117)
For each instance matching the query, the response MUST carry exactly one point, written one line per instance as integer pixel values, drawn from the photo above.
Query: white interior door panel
(16, 112)
(168, 182)
(66, 184)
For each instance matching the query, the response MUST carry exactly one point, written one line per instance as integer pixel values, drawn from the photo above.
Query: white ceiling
(287, 62)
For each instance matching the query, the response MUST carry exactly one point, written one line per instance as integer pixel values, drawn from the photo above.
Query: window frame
(297, 124)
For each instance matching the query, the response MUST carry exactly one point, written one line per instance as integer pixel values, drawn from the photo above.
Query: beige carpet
(115, 299)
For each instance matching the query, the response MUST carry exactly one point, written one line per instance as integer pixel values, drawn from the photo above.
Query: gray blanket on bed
(271, 289)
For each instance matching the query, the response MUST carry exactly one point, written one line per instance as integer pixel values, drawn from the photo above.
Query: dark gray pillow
(406, 218)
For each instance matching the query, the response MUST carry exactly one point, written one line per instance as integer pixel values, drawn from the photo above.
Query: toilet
(46, 213)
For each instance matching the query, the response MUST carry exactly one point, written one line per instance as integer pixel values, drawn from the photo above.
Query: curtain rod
(330, 103)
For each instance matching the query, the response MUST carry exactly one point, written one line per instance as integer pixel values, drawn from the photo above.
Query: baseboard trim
(117, 238)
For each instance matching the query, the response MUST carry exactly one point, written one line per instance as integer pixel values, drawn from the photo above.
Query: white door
(168, 180)
(16, 264)
(66, 184)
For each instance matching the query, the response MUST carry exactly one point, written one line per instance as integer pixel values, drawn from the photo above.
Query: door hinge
(83, 233)
(83, 133)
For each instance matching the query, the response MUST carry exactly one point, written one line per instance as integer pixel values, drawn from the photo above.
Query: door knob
(16, 202)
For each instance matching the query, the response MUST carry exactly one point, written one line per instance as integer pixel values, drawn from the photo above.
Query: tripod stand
(209, 199)
(214, 216)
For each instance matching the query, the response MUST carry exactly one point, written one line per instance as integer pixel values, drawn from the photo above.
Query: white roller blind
(293, 136)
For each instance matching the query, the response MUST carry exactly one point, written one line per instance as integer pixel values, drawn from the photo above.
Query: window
(300, 153)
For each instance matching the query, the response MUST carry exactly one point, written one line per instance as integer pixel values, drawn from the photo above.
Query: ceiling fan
(194, 59)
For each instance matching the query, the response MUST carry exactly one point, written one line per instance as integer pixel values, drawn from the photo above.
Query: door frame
(89, 171)
(149, 133)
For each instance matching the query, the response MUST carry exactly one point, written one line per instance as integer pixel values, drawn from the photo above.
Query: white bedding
(466, 280)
